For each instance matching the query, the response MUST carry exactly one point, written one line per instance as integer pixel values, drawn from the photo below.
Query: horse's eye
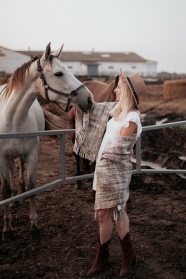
(59, 74)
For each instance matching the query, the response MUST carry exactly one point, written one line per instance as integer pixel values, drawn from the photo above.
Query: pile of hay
(174, 89)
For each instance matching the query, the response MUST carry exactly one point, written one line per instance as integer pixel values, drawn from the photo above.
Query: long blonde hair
(126, 102)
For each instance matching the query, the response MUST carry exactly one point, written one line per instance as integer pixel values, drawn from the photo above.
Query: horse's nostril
(90, 100)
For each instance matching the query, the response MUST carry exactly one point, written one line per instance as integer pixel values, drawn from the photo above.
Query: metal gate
(65, 179)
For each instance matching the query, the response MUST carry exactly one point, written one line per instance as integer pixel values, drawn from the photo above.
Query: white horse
(21, 112)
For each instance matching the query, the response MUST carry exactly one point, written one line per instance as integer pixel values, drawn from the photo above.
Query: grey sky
(154, 29)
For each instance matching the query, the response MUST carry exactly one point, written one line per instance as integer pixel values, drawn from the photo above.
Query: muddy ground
(69, 234)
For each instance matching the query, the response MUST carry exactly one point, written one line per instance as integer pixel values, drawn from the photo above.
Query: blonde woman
(113, 173)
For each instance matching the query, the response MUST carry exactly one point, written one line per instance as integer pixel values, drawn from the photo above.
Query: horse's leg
(130, 205)
(21, 176)
(71, 118)
(31, 162)
(78, 168)
(12, 179)
(12, 182)
(7, 233)
(86, 164)
(79, 182)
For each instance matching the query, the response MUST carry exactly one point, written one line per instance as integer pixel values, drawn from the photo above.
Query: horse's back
(94, 85)
(102, 91)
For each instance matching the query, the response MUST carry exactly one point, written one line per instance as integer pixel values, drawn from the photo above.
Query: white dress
(113, 131)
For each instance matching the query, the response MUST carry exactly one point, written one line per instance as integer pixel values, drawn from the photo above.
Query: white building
(108, 64)
(86, 64)
(10, 60)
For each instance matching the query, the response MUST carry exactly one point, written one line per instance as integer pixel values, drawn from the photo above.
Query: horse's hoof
(83, 273)
(79, 185)
(35, 234)
(7, 236)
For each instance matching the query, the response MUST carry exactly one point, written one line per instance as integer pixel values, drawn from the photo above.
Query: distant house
(104, 64)
(10, 60)
(87, 64)
(108, 63)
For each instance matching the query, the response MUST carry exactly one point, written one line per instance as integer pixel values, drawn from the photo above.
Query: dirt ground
(69, 233)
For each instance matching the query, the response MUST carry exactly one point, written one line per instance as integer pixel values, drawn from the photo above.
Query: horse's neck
(111, 87)
(107, 95)
(19, 102)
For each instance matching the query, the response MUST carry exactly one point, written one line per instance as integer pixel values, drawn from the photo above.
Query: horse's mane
(16, 80)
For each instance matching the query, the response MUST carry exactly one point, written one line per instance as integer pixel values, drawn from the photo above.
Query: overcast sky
(154, 29)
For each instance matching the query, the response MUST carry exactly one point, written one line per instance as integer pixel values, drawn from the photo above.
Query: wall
(113, 68)
(11, 60)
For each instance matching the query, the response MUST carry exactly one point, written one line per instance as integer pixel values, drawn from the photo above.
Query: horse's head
(59, 85)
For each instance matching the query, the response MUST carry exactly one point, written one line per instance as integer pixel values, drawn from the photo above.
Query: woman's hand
(132, 128)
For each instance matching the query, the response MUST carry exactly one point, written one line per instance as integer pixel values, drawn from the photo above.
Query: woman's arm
(132, 128)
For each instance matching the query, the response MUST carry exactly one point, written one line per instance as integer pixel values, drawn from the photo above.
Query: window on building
(111, 67)
(133, 67)
(70, 67)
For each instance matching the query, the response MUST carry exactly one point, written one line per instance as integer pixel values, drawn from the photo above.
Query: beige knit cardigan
(114, 169)
(90, 128)
(113, 173)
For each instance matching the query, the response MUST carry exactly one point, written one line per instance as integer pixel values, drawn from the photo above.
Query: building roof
(93, 56)
(2, 49)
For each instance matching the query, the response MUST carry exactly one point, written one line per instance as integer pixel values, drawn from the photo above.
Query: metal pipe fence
(63, 179)
(138, 149)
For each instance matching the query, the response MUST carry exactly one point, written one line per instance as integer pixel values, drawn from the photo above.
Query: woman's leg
(129, 255)
(105, 231)
(105, 224)
(123, 229)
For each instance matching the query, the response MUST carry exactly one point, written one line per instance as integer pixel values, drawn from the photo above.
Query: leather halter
(69, 96)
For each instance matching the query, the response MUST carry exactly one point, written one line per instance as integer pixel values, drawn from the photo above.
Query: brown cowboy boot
(101, 260)
(129, 256)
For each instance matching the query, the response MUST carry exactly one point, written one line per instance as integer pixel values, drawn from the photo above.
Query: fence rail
(138, 149)
(63, 179)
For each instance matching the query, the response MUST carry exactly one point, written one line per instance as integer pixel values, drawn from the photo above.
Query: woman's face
(117, 90)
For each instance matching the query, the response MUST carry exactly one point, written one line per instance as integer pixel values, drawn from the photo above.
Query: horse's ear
(47, 52)
(58, 53)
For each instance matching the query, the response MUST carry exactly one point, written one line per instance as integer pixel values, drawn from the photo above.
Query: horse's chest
(17, 147)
